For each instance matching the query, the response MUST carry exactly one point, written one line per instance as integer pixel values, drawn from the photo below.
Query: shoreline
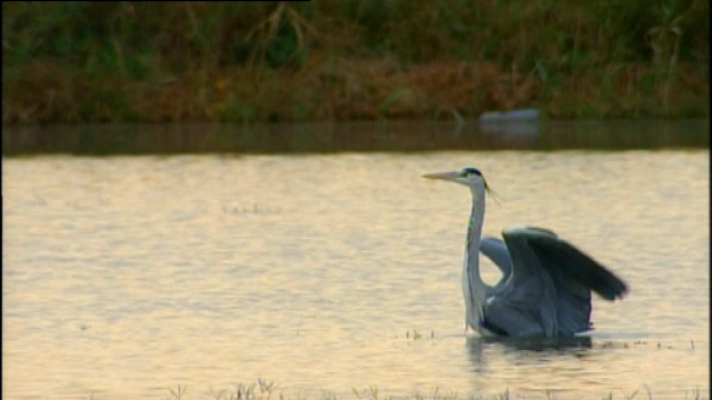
(293, 62)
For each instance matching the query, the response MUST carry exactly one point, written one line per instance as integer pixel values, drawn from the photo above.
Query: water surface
(364, 136)
(126, 276)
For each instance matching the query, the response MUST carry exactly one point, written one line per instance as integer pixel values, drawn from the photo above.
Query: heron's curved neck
(474, 234)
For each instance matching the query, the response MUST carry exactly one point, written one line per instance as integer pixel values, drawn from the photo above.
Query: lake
(338, 274)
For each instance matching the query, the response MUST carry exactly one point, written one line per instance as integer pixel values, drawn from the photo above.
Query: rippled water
(325, 274)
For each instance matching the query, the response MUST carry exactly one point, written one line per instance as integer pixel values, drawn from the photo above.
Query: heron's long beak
(446, 176)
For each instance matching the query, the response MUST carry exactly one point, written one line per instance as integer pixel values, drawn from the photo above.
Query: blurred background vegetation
(352, 59)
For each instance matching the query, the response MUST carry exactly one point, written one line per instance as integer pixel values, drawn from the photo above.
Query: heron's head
(468, 176)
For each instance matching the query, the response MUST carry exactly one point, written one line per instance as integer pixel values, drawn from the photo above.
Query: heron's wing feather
(573, 305)
(571, 265)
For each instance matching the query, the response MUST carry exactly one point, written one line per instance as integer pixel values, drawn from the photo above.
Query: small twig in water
(178, 393)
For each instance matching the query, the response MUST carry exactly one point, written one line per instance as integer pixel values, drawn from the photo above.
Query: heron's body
(546, 285)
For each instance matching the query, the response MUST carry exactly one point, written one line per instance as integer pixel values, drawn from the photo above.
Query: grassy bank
(352, 59)
(263, 390)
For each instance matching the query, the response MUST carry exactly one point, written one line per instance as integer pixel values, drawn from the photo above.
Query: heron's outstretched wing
(562, 258)
(496, 250)
(550, 289)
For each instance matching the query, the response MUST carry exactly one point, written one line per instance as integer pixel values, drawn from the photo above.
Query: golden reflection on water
(127, 276)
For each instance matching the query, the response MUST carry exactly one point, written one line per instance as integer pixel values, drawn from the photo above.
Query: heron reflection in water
(546, 285)
(554, 346)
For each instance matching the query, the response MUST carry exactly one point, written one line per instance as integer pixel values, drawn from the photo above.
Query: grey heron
(548, 290)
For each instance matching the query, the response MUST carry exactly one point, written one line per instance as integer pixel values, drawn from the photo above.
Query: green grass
(352, 59)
